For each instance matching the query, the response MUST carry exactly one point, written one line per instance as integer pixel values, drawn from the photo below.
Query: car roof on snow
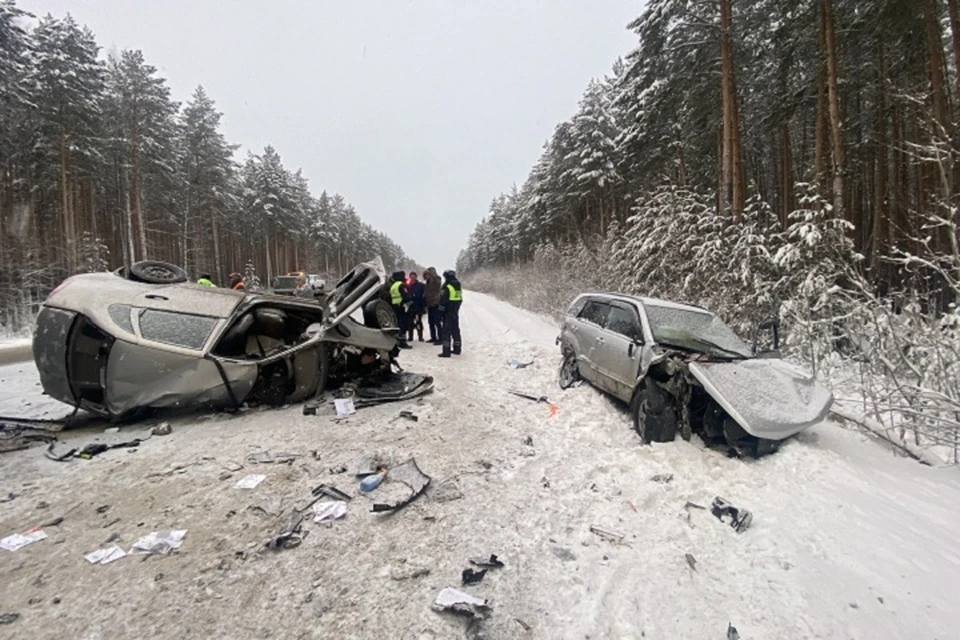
(647, 301)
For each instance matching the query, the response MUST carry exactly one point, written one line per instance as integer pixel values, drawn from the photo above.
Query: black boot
(445, 353)
(456, 349)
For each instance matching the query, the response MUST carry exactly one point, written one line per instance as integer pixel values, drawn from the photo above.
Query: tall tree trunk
(935, 62)
(732, 171)
(820, 131)
(830, 40)
(68, 239)
(787, 169)
(881, 221)
(955, 31)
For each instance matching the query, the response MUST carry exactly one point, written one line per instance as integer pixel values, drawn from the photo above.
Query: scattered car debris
(56, 522)
(490, 563)
(392, 387)
(409, 474)
(456, 601)
(250, 481)
(14, 437)
(367, 466)
(91, 450)
(691, 560)
(607, 534)
(469, 576)
(662, 478)
(408, 415)
(563, 554)
(322, 490)
(528, 441)
(290, 538)
(265, 457)
(9, 618)
(17, 541)
(732, 633)
(310, 408)
(408, 572)
(340, 468)
(516, 364)
(740, 519)
(329, 511)
(103, 508)
(105, 556)
(10, 497)
(160, 542)
(270, 506)
(162, 429)
(528, 396)
(344, 407)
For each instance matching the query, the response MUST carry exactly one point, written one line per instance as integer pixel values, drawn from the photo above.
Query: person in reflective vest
(205, 280)
(398, 300)
(451, 298)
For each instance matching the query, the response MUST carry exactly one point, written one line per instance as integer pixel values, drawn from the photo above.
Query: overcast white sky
(418, 111)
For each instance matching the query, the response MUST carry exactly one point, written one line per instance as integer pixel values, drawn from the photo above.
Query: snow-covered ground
(848, 541)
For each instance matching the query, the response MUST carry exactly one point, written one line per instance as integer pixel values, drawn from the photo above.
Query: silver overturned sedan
(682, 370)
(143, 337)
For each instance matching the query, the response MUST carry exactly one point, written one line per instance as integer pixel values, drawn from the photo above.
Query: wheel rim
(160, 272)
(568, 371)
(385, 317)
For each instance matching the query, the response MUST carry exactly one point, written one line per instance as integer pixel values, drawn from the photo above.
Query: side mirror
(771, 323)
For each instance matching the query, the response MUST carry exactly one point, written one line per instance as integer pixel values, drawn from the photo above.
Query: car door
(619, 353)
(587, 328)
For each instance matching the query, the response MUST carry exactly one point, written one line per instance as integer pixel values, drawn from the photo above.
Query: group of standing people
(439, 300)
(235, 281)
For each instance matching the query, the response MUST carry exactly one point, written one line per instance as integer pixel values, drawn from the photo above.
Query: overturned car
(682, 370)
(144, 338)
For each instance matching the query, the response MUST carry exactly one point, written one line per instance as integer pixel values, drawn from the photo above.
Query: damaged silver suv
(145, 338)
(682, 370)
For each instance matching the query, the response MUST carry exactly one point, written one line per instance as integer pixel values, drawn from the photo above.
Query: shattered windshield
(694, 330)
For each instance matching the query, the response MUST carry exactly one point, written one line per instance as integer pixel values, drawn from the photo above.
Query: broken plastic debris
(161, 542)
(105, 556)
(516, 364)
(409, 474)
(491, 562)
(469, 576)
(344, 406)
(250, 481)
(18, 541)
(607, 534)
(457, 601)
(739, 519)
(329, 511)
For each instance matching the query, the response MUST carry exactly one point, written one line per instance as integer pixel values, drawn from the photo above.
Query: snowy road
(847, 541)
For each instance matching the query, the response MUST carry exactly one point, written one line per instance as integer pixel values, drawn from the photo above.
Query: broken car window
(595, 312)
(694, 330)
(180, 329)
(624, 321)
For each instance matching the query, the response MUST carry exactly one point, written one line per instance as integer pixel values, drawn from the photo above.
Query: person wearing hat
(451, 298)
(236, 282)
(431, 294)
(398, 300)
(205, 281)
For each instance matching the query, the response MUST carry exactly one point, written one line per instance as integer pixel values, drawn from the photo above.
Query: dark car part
(156, 272)
(739, 519)
(409, 474)
(654, 414)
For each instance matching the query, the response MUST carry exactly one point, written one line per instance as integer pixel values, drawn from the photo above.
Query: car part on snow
(516, 364)
(162, 429)
(408, 415)
(379, 314)
(156, 272)
(91, 450)
(469, 576)
(493, 562)
(392, 387)
(456, 601)
(291, 537)
(344, 407)
(521, 394)
(740, 519)
(16, 437)
(607, 534)
(371, 482)
(329, 511)
(732, 633)
(691, 561)
(409, 474)
(662, 478)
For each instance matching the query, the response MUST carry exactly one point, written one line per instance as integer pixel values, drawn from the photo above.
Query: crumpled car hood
(769, 398)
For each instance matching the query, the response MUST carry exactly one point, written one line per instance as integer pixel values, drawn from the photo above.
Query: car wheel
(377, 314)
(654, 415)
(569, 370)
(156, 272)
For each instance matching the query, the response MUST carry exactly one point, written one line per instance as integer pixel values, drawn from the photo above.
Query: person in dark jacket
(398, 299)
(451, 298)
(418, 306)
(432, 286)
(236, 282)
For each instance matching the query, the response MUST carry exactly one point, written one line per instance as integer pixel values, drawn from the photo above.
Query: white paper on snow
(344, 406)
(17, 541)
(327, 511)
(449, 598)
(105, 556)
(159, 541)
(250, 481)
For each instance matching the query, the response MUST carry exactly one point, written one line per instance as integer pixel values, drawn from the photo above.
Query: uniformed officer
(451, 298)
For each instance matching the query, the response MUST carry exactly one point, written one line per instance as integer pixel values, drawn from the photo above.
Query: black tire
(654, 414)
(156, 272)
(377, 314)
(569, 373)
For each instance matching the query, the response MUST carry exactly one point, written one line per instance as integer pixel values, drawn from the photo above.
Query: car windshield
(694, 330)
